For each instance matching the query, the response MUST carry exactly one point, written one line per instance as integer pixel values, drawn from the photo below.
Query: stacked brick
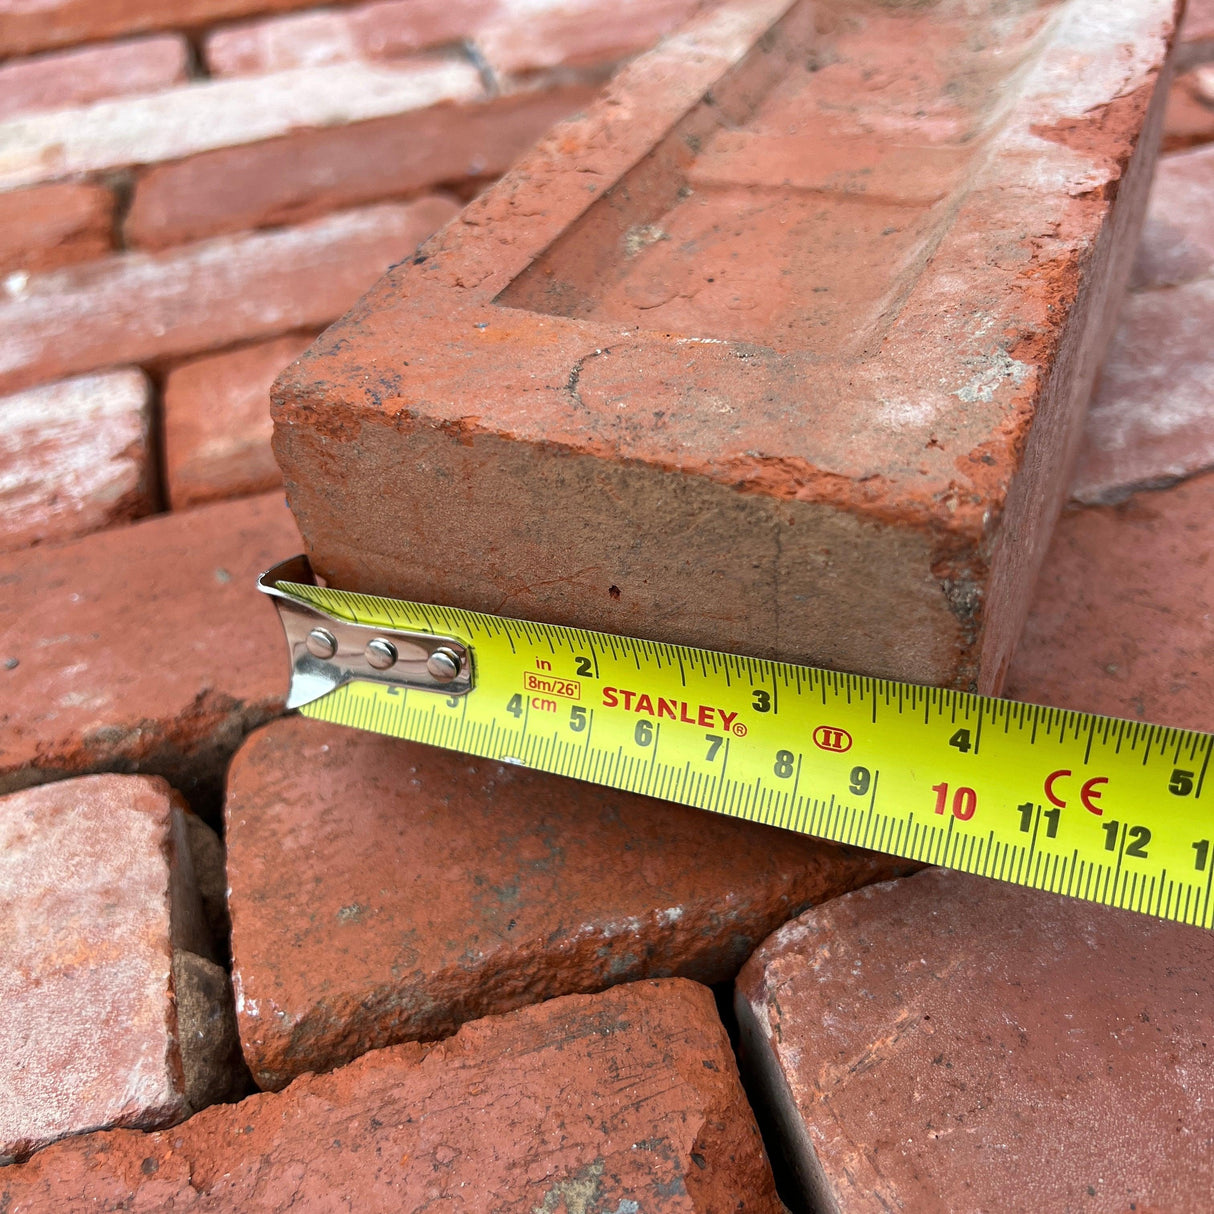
(187, 191)
(459, 984)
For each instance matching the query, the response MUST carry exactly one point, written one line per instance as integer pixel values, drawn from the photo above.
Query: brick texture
(428, 889)
(386, 29)
(144, 648)
(72, 78)
(216, 422)
(74, 457)
(209, 114)
(1196, 34)
(1121, 614)
(154, 307)
(527, 35)
(312, 172)
(96, 896)
(1152, 418)
(1012, 1050)
(625, 1101)
(49, 226)
(1190, 116)
(825, 417)
(49, 23)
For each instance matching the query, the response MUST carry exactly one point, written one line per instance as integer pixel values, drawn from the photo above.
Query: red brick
(625, 1101)
(1121, 613)
(74, 457)
(1190, 116)
(526, 35)
(144, 648)
(382, 30)
(147, 307)
(428, 889)
(217, 423)
(313, 172)
(26, 27)
(763, 415)
(77, 77)
(1152, 418)
(98, 899)
(1010, 1050)
(1196, 34)
(205, 114)
(1178, 236)
(49, 226)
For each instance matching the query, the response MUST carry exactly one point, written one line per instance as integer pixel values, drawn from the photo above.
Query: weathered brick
(526, 35)
(74, 457)
(1178, 235)
(49, 226)
(428, 889)
(1152, 418)
(217, 422)
(1011, 1050)
(99, 906)
(142, 307)
(1196, 34)
(313, 172)
(384, 29)
(1190, 115)
(26, 27)
(1121, 613)
(143, 648)
(823, 412)
(209, 114)
(76, 77)
(624, 1101)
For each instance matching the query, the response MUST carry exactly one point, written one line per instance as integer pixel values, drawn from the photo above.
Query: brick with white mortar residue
(380, 30)
(74, 457)
(89, 73)
(209, 114)
(139, 308)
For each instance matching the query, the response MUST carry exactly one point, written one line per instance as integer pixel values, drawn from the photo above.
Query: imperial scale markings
(1092, 807)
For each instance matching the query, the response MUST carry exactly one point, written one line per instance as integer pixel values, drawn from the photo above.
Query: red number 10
(965, 801)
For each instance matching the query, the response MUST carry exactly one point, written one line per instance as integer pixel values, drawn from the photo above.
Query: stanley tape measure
(1089, 806)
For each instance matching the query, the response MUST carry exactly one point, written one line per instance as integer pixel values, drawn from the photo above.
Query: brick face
(383, 30)
(1120, 623)
(210, 114)
(441, 888)
(145, 648)
(312, 172)
(75, 456)
(523, 35)
(216, 422)
(147, 307)
(45, 227)
(25, 28)
(73, 78)
(95, 898)
(1009, 1050)
(623, 1102)
(668, 340)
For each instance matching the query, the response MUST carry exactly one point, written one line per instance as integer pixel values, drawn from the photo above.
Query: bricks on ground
(1012, 1050)
(115, 1013)
(428, 889)
(822, 412)
(1151, 421)
(144, 648)
(74, 457)
(624, 1101)
(217, 422)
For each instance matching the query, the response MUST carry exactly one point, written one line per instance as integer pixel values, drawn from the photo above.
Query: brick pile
(254, 962)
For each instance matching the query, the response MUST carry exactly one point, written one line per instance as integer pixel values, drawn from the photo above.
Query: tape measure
(1092, 807)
